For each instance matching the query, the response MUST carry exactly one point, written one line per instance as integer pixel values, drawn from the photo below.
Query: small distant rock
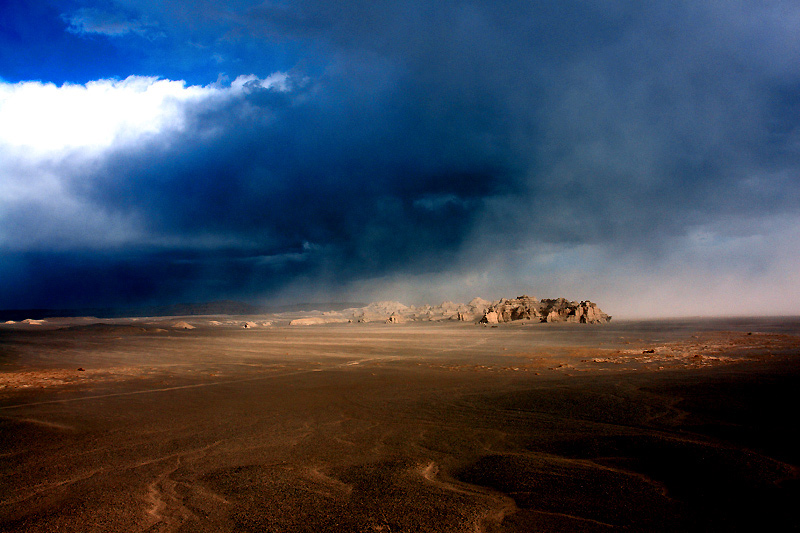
(491, 317)
(182, 325)
(394, 318)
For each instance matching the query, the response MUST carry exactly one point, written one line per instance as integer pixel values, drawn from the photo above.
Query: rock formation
(477, 310)
(548, 310)
(395, 318)
(378, 312)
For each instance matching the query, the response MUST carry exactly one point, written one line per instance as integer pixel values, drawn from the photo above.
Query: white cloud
(278, 81)
(46, 118)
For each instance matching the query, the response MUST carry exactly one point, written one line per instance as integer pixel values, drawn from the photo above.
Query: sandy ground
(138, 425)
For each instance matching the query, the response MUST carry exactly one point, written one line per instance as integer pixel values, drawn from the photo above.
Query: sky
(642, 155)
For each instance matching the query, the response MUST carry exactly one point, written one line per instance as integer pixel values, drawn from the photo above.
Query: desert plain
(144, 425)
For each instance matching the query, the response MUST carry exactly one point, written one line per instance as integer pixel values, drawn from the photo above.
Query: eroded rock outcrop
(395, 318)
(547, 310)
(477, 310)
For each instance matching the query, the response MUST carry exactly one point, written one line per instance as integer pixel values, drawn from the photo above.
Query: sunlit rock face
(476, 311)
(547, 310)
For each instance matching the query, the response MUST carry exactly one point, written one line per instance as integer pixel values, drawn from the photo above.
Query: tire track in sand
(503, 505)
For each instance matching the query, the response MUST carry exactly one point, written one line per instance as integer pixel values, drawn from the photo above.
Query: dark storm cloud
(421, 137)
(347, 182)
(594, 107)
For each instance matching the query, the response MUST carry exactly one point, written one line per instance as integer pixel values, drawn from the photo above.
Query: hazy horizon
(277, 307)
